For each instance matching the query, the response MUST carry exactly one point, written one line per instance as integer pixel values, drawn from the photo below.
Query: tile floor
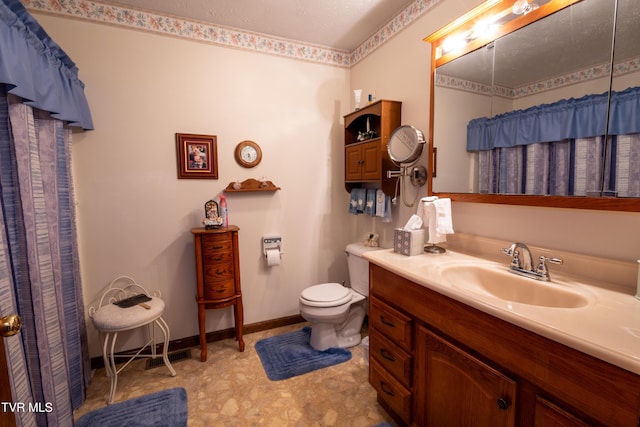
(232, 389)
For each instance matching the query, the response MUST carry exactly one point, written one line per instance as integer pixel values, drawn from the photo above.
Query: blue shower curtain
(40, 98)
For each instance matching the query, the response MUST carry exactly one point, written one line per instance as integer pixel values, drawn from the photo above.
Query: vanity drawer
(390, 390)
(219, 289)
(395, 360)
(392, 323)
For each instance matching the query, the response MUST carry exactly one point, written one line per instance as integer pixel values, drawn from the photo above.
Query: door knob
(10, 325)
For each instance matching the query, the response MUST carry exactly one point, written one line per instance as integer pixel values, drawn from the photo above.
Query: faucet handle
(508, 251)
(542, 269)
(514, 254)
(544, 259)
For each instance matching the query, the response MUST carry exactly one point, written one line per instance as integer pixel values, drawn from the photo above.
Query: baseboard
(194, 341)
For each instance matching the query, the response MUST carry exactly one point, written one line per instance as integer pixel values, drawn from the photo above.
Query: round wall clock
(248, 154)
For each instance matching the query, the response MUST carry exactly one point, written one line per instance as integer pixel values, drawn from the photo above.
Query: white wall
(135, 216)
(400, 70)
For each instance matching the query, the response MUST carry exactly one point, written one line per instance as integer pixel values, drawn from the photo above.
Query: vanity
(448, 349)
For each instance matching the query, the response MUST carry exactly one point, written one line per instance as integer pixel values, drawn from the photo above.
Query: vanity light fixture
(482, 29)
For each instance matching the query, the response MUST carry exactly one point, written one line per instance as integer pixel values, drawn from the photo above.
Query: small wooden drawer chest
(218, 277)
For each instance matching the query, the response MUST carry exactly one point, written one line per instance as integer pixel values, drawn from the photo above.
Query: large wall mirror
(538, 103)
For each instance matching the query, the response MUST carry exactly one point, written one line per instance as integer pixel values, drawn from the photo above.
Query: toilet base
(347, 334)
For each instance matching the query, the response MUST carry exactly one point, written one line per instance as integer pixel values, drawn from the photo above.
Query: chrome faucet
(525, 267)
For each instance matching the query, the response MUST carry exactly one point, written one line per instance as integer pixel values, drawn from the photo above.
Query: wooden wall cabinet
(469, 368)
(367, 161)
(218, 278)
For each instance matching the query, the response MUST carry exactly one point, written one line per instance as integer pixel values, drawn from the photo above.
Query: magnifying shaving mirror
(405, 148)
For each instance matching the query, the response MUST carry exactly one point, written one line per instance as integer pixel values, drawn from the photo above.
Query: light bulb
(520, 7)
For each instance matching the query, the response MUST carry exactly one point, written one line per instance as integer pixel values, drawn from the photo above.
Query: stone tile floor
(232, 389)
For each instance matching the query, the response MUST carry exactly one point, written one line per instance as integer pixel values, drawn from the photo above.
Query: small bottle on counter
(224, 213)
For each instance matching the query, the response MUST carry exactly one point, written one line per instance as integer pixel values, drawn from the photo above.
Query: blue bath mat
(164, 408)
(287, 355)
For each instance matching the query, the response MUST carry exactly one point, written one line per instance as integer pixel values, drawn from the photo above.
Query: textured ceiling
(339, 24)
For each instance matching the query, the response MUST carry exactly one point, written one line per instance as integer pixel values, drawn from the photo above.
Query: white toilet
(336, 312)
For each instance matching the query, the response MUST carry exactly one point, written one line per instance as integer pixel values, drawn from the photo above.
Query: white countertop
(608, 327)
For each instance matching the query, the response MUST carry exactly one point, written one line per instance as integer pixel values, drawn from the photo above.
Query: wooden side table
(218, 277)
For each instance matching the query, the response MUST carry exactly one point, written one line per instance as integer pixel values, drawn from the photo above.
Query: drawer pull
(386, 389)
(387, 322)
(218, 258)
(503, 403)
(384, 353)
(218, 247)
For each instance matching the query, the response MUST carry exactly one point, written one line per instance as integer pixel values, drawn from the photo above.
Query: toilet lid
(326, 294)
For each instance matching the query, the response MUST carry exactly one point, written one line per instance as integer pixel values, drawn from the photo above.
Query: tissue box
(408, 242)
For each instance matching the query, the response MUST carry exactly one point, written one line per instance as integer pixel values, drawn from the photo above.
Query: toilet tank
(359, 267)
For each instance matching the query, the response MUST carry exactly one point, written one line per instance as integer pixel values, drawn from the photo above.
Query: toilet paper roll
(273, 257)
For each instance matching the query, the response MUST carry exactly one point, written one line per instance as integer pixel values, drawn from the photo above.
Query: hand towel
(353, 202)
(380, 203)
(387, 209)
(357, 201)
(370, 204)
(444, 223)
(361, 198)
(436, 214)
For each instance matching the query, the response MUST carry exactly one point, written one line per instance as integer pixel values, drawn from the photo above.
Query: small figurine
(237, 185)
(212, 215)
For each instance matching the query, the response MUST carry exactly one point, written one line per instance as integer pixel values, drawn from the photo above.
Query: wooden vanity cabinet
(367, 161)
(218, 278)
(470, 368)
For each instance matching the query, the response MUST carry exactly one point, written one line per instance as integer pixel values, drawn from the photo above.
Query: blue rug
(287, 355)
(164, 408)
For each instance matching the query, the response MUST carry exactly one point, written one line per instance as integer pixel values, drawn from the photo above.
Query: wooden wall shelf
(251, 185)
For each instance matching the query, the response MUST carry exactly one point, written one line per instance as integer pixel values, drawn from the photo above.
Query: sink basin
(500, 283)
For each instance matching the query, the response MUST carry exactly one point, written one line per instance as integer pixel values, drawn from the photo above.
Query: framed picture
(197, 156)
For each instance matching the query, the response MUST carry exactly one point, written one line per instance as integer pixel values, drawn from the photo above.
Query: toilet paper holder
(269, 243)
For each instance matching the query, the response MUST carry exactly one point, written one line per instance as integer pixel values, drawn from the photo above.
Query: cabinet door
(549, 415)
(453, 388)
(372, 166)
(353, 162)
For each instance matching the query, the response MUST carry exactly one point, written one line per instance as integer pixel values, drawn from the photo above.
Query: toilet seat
(326, 295)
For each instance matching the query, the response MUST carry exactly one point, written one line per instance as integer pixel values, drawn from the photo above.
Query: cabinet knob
(503, 403)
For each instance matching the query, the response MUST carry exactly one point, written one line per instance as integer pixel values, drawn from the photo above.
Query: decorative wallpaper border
(111, 14)
(592, 73)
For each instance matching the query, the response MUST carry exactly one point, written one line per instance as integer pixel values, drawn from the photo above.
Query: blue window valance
(566, 119)
(37, 70)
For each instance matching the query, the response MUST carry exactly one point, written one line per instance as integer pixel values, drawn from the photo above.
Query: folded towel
(370, 204)
(380, 203)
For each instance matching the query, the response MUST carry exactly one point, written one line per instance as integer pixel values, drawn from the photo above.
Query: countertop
(608, 327)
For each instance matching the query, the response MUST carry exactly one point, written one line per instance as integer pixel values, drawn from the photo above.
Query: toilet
(336, 312)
